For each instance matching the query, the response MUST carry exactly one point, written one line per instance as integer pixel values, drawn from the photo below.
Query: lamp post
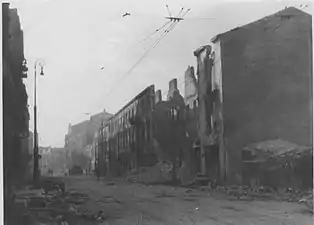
(36, 155)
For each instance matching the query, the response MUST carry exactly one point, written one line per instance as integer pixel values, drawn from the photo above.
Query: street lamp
(39, 63)
(24, 69)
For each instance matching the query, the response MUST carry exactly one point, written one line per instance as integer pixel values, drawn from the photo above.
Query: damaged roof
(276, 147)
(286, 13)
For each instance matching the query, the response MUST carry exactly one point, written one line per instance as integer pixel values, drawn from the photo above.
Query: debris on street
(52, 205)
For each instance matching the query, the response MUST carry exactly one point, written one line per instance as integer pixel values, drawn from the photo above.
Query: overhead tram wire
(180, 11)
(115, 84)
(186, 19)
(156, 31)
(185, 13)
(168, 10)
(170, 27)
(137, 62)
(160, 28)
(141, 58)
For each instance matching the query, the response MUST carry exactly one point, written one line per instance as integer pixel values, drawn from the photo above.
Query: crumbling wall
(283, 172)
(158, 97)
(267, 82)
(191, 87)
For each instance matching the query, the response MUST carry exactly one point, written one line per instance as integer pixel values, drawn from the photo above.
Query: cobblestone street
(125, 203)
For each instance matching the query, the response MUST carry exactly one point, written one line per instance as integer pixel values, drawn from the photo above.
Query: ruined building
(254, 83)
(15, 107)
(141, 133)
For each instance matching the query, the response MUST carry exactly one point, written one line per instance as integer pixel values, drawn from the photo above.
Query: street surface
(130, 203)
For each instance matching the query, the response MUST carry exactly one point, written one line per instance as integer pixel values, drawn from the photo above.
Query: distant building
(81, 135)
(45, 158)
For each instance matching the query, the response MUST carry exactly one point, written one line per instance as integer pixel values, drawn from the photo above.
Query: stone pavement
(132, 203)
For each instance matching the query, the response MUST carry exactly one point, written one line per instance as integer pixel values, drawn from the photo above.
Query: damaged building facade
(16, 150)
(253, 84)
(141, 133)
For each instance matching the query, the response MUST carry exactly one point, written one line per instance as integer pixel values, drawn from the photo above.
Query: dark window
(148, 129)
(127, 119)
(121, 145)
(124, 139)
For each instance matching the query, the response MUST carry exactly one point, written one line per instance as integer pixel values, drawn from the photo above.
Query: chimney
(158, 97)
(173, 85)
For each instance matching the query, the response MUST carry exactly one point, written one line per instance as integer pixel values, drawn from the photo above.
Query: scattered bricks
(36, 202)
(110, 183)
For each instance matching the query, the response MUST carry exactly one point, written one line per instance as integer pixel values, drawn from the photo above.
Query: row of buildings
(17, 140)
(252, 85)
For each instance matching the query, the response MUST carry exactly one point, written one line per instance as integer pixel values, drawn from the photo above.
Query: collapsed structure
(253, 84)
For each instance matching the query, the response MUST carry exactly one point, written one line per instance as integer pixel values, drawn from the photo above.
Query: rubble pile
(278, 164)
(159, 173)
(52, 205)
(264, 193)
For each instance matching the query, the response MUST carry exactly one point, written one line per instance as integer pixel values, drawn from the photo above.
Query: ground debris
(108, 199)
(164, 194)
(51, 205)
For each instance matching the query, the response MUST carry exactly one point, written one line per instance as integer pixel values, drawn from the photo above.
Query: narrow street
(129, 203)
(157, 113)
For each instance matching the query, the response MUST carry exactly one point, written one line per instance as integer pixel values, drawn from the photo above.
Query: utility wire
(186, 13)
(156, 31)
(143, 56)
(188, 18)
(147, 51)
(164, 34)
(170, 27)
(180, 11)
(201, 18)
(168, 10)
(140, 59)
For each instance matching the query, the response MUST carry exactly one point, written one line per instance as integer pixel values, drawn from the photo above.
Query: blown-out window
(148, 129)
(124, 140)
(126, 119)
(195, 103)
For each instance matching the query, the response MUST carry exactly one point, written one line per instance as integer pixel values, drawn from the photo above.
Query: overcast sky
(78, 37)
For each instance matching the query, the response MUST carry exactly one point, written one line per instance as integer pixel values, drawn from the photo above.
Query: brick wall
(267, 81)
